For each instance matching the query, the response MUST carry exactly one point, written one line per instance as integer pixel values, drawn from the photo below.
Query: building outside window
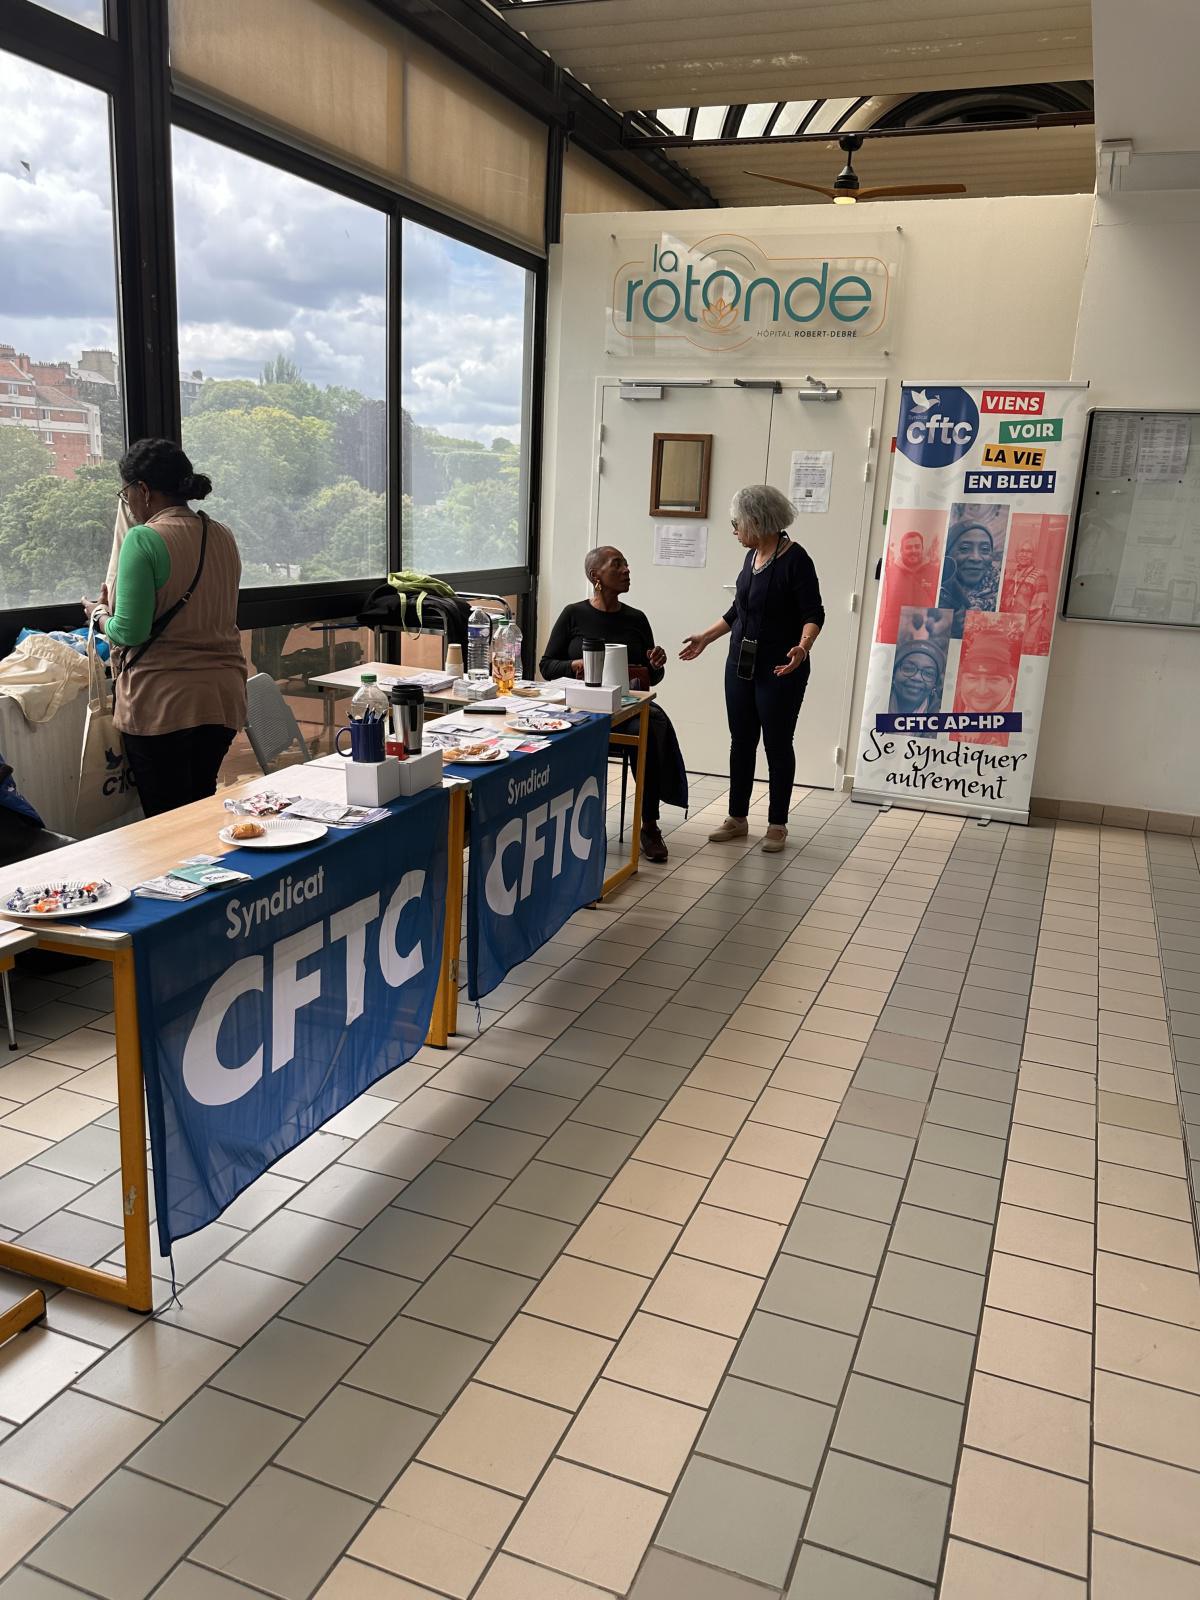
(282, 290)
(464, 345)
(62, 428)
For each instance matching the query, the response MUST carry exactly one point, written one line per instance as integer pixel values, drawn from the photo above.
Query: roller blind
(589, 185)
(340, 78)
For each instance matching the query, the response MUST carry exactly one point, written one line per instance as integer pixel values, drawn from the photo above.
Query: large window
(89, 12)
(464, 345)
(282, 291)
(61, 417)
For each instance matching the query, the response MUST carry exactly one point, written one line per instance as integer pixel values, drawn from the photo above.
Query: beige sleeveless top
(194, 673)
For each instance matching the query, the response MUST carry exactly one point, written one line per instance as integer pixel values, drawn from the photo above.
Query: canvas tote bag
(107, 797)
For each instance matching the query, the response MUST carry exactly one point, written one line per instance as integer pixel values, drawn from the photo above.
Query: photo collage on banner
(982, 485)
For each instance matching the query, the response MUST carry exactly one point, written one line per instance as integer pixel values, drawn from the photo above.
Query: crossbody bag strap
(160, 624)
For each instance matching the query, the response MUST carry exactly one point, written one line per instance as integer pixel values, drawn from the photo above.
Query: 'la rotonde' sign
(724, 294)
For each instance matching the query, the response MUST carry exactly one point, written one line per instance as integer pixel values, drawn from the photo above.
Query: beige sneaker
(775, 840)
(731, 828)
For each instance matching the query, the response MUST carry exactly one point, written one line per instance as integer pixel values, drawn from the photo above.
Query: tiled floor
(812, 1226)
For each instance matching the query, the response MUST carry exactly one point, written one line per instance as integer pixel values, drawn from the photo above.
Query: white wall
(989, 290)
(1121, 726)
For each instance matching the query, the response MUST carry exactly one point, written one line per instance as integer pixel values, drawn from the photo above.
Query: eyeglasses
(921, 674)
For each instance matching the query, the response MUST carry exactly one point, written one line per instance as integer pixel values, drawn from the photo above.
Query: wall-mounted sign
(772, 296)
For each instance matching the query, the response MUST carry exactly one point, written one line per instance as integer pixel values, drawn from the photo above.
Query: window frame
(130, 63)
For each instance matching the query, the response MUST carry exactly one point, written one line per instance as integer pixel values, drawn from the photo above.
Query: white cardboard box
(582, 698)
(419, 772)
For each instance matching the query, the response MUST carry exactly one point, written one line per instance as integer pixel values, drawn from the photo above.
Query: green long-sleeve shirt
(143, 568)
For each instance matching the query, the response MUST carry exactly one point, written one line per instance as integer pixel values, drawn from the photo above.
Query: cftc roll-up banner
(538, 849)
(983, 482)
(267, 1008)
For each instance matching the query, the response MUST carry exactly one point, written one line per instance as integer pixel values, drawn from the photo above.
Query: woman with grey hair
(772, 624)
(604, 616)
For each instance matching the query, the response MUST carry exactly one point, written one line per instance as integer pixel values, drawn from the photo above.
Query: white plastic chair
(271, 724)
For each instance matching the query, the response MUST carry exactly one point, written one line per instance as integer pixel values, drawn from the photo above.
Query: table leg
(445, 1006)
(640, 742)
(134, 1289)
(30, 1308)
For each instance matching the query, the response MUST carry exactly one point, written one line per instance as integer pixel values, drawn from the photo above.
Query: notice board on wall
(1135, 555)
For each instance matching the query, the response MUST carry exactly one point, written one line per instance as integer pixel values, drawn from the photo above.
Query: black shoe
(654, 846)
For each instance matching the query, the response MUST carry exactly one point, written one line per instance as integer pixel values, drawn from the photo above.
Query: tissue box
(419, 772)
(580, 697)
(372, 783)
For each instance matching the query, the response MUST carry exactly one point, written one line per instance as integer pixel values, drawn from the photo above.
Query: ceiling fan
(846, 190)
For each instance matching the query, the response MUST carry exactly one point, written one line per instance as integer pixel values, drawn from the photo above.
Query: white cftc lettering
(207, 1079)
(502, 895)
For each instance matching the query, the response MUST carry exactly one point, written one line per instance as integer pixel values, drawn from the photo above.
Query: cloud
(265, 262)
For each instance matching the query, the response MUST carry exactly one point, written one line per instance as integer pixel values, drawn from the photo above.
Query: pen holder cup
(366, 741)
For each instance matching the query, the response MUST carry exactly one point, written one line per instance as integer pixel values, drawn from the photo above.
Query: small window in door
(679, 467)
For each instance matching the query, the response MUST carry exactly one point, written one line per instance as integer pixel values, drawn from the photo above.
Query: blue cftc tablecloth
(266, 1008)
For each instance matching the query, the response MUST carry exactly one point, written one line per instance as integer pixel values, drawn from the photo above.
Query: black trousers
(173, 769)
(767, 708)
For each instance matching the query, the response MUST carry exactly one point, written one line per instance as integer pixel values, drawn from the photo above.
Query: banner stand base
(946, 808)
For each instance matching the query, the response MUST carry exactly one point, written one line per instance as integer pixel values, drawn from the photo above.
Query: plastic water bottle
(506, 656)
(479, 645)
(369, 702)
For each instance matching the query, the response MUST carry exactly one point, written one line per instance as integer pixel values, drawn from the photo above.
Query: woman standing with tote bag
(178, 665)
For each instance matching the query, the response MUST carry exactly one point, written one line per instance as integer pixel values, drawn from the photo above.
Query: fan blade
(792, 183)
(913, 189)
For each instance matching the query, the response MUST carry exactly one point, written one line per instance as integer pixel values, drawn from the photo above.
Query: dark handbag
(160, 624)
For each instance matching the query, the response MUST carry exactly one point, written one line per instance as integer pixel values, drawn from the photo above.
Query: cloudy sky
(265, 261)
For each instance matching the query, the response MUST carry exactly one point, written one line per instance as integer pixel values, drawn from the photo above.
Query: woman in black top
(605, 616)
(773, 623)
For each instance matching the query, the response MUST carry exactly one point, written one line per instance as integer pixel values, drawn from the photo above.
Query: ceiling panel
(640, 54)
(1021, 161)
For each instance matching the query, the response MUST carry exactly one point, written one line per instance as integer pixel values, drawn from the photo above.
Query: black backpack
(385, 607)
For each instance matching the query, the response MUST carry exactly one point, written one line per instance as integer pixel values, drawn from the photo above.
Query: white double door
(755, 429)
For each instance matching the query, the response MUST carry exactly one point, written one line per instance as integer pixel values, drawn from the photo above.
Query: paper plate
(115, 896)
(488, 759)
(279, 833)
(536, 724)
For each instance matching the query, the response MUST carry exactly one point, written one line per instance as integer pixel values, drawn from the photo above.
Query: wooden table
(333, 684)
(130, 855)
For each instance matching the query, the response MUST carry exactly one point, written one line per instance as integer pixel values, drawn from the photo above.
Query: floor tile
(836, 1238)
(1151, 1290)
(354, 1580)
(344, 1194)
(518, 1241)
(633, 1434)
(1029, 1350)
(585, 1295)
(702, 1295)
(899, 1428)
(1145, 1419)
(1120, 1570)
(496, 1438)
(292, 1245)
(125, 1537)
(668, 1358)
(214, 1445)
(837, 1577)
(155, 1370)
(552, 1191)
(726, 1517)
(880, 1515)
(500, 1151)
(398, 1152)
(811, 1291)
(730, 1239)
(1023, 1511)
(69, 1447)
(763, 1430)
(470, 1298)
(509, 1578)
(625, 1239)
(190, 1582)
(1034, 1289)
(452, 1193)
(776, 1149)
(229, 1303)
(587, 1525)
(288, 1366)
(546, 1361)
(436, 1529)
(665, 1576)
(351, 1301)
(1146, 1502)
(935, 1293)
(418, 1364)
(657, 1191)
(1028, 1424)
(754, 1191)
(919, 1355)
(1043, 1236)
(282, 1534)
(589, 1149)
(837, 1188)
(972, 1573)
